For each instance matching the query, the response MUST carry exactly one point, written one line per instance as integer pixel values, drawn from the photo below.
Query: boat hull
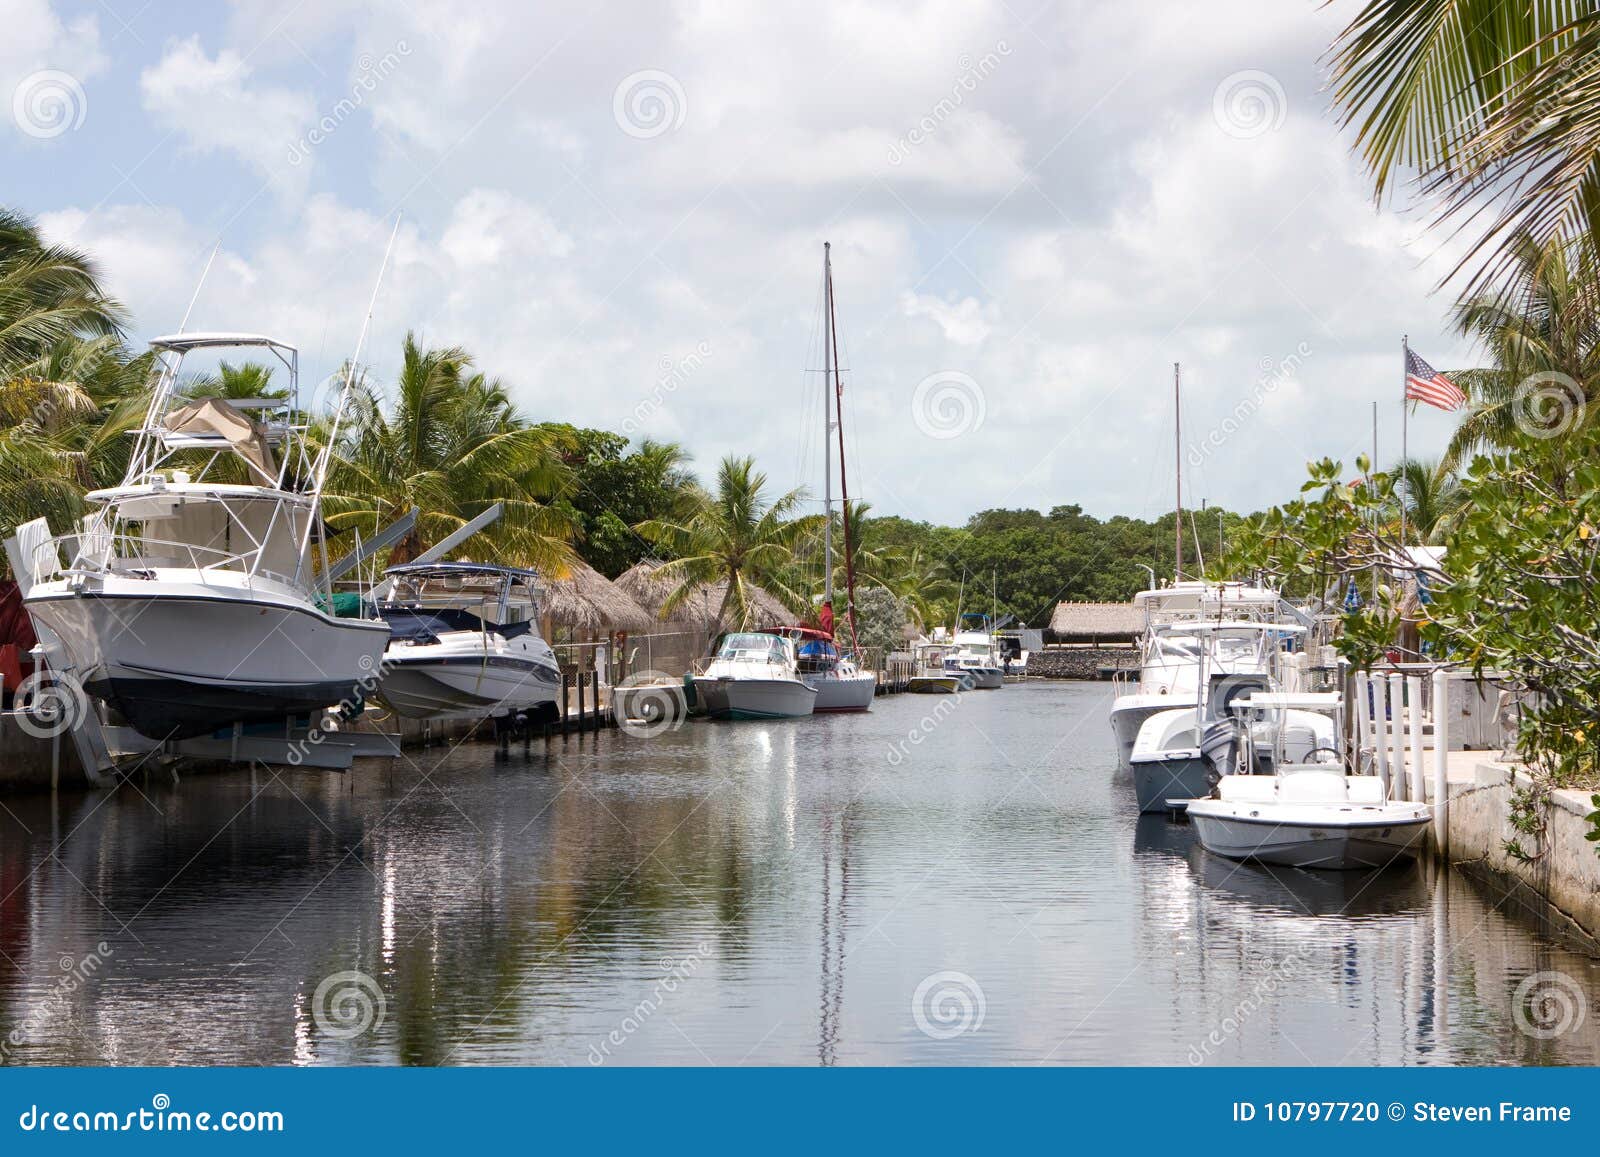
(182, 665)
(840, 694)
(1128, 714)
(754, 698)
(1352, 844)
(421, 687)
(983, 678)
(1156, 780)
(936, 684)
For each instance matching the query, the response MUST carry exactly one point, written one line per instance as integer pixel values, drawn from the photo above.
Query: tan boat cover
(215, 416)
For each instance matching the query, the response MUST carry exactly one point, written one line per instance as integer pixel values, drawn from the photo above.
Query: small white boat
(1309, 816)
(929, 676)
(975, 655)
(840, 685)
(1306, 812)
(463, 643)
(1175, 759)
(754, 675)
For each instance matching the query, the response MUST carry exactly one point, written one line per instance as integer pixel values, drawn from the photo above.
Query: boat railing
(133, 556)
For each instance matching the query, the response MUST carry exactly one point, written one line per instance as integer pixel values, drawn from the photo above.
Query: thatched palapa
(1096, 622)
(701, 610)
(587, 601)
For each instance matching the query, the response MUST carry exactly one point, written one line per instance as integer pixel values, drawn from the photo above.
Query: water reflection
(758, 893)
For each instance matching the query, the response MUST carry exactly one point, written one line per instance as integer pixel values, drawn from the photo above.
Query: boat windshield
(752, 647)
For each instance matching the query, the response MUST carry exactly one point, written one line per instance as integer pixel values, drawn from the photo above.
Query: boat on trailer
(190, 599)
(464, 643)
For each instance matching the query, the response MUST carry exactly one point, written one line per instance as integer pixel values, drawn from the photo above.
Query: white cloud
(211, 104)
(37, 40)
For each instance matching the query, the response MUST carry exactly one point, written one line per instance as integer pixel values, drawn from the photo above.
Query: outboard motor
(1221, 742)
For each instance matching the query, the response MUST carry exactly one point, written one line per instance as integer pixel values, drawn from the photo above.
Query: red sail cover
(825, 619)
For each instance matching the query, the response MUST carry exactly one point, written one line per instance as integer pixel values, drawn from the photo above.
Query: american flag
(1426, 384)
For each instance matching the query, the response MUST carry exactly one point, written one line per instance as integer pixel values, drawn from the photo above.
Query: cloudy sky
(1035, 209)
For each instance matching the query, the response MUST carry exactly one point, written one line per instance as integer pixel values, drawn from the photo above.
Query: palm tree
(737, 535)
(251, 380)
(451, 446)
(1484, 99)
(922, 584)
(48, 294)
(1541, 333)
(1433, 498)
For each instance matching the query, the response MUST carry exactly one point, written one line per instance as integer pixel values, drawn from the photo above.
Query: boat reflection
(1310, 891)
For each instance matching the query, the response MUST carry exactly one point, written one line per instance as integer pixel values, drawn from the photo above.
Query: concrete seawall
(1560, 889)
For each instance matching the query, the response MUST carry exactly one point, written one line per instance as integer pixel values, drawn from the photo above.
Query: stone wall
(1080, 662)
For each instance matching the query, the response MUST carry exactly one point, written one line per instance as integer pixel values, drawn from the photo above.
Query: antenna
(319, 471)
(184, 325)
(350, 370)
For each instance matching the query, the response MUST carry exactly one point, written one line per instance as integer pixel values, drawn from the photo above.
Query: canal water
(943, 881)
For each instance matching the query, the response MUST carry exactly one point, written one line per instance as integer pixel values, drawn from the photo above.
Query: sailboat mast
(844, 480)
(827, 425)
(1177, 448)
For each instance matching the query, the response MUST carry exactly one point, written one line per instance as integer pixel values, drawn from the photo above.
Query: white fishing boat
(1307, 812)
(754, 675)
(930, 676)
(1235, 659)
(975, 654)
(191, 600)
(463, 643)
(840, 685)
(1169, 660)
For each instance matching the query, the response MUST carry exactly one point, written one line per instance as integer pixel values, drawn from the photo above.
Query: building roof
(701, 609)
(1097, 621)
(587, 599)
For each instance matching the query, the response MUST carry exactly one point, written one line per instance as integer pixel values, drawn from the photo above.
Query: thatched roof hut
(700, 610)
(587, 601)
(1096, 623)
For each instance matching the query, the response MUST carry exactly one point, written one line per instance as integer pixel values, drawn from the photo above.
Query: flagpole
(1372, 468)
(1405, 413)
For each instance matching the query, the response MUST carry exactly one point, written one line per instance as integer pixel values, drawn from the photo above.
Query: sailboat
(839, 682)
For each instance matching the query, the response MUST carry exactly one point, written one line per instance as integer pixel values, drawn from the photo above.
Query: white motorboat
(1306, 812)
(1169, 662)
(1309, 816)
(753, 675)
(464, 643)
(930, 676)
(190, 600)
(975, 655)
(1180, 753)
(840, 685)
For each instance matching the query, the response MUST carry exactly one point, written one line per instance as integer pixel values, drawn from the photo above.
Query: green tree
(1495, 105)
(450, 445)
